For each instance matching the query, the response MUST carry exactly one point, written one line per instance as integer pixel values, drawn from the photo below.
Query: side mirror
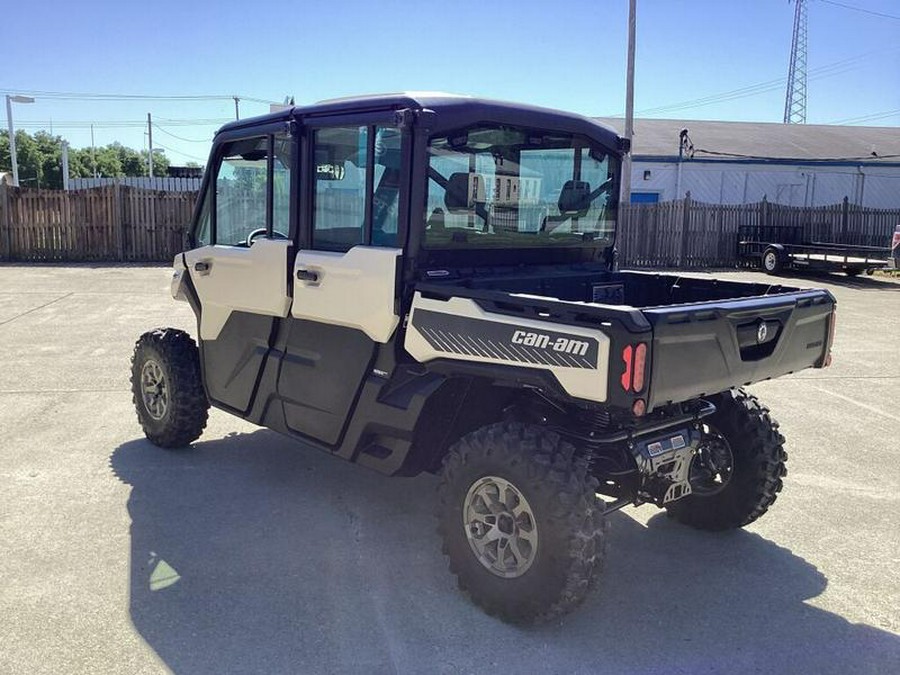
(329, 172)
(328, 167)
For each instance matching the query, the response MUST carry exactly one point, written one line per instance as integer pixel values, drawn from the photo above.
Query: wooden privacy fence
(122, 223)
(112, 223)
(692, 235)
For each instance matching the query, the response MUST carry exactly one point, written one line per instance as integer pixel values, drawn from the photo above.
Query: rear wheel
(771, 261)
(853, 272)
(167, 388)
(520, 520)
(736, 475)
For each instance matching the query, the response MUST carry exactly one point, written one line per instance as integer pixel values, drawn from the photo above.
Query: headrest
(574, 197)
(456, 197)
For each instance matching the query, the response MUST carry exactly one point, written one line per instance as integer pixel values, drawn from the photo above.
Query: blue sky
(566, 54)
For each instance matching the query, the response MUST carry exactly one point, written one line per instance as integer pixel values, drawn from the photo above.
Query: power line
(869, 118)
(157, 144)
(87, 96)
(861, 9)
(827, 70)
(182, 138)
(123, 124)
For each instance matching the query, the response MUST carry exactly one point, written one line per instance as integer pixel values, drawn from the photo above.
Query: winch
(664, 463)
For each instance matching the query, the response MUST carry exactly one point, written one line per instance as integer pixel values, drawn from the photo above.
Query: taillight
(627, 376)
(635, 360)
(640, 360)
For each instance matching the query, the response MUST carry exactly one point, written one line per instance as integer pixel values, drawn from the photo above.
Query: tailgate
(709, 347)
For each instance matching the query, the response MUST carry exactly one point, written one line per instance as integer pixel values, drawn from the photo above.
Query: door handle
(202, 267)
(307, 275)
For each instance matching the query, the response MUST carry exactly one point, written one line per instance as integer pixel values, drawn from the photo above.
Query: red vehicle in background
(895, 248)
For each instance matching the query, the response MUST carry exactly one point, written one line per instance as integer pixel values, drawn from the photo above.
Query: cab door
(240, 261)
(345, 273)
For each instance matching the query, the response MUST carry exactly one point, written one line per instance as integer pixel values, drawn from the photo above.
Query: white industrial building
(740, 162)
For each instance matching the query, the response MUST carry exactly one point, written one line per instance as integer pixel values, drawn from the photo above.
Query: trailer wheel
(853, 272)
(733, 496)
(167, 388)
(520, 521)
(771, 261)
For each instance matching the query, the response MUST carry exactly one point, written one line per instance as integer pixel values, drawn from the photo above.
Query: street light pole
(12, 133)
(65, 165)
(150, 146)
(629, 103)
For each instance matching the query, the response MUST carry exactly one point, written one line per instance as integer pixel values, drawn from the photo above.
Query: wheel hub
(500, 527)
(154, 389)
(713, 464)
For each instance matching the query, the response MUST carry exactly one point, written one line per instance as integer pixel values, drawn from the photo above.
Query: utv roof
(451, 110)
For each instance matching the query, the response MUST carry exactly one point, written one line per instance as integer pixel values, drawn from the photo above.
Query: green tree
(81, 164)
(40, 160)
(30, 155)
(160, 162)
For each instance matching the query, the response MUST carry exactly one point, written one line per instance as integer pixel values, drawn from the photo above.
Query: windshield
(499, 186)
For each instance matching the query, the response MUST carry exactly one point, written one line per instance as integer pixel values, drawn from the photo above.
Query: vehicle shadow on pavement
(254, 554)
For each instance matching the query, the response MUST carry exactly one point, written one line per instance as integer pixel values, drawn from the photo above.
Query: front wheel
(167, 388)
(736, 475)
(521, 522)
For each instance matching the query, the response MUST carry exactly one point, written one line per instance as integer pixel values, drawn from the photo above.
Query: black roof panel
(450, 111)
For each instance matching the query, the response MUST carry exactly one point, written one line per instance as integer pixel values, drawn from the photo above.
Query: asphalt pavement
(252, 553)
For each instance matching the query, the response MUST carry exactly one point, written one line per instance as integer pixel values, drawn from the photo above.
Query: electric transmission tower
(795, 100)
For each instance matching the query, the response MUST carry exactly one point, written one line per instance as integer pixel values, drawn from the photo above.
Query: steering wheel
(261, 230)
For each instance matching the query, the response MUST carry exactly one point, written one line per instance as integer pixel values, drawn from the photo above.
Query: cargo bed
(705, 335)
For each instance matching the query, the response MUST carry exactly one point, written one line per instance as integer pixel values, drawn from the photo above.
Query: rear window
(499, 186)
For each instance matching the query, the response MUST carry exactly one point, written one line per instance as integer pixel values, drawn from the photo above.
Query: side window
(241, 185)
(386, 198)
(357, 187)
(281, 185)
(339, 214)
(203, 228)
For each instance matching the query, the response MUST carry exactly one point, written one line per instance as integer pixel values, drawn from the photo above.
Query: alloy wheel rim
(500, 527)
(154, 389)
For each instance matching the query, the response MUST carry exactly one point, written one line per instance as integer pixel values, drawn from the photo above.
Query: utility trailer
(777, 248)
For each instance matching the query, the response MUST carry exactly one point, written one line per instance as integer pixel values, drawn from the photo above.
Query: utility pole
(65, 165)
(93, 153)
(795, 98)
(150, 145)
(237, 111)
(682, 143)
(629, 102)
